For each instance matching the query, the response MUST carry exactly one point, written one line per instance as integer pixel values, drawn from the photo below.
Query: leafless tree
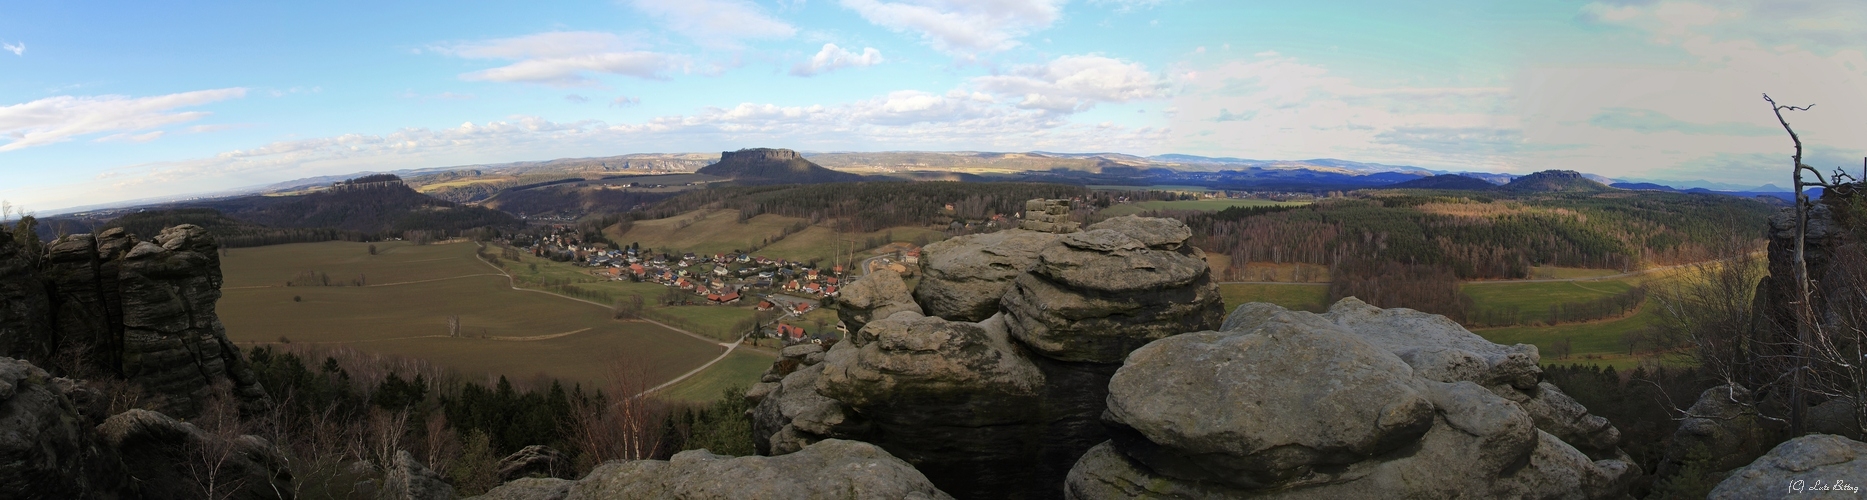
(212, 454)
(1805, 334)
(624, 423)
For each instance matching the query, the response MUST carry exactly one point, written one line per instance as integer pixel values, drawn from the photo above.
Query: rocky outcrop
(1722, 426)
(1048, 216)
(964, 277)
(1357, 403)
(124, 307)
(47, 448)
(408, 479)
(534, 461)
(1812, 466)
(1837, 416)
(828, 469)
(992, 398)
(529, 488)
(165, 458)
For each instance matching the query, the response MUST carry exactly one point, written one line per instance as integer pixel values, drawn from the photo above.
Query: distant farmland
(411, 293)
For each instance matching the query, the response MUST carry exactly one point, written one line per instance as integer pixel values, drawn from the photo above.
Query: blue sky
(102, 102)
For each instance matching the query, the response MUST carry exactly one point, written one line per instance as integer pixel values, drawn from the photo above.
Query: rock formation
(992, 382)
(828, 469)
(408, 479)
(1723, 427)
(1048, 216)
(1812, 466)
(1360, 402)
(534, 461)
(53, 445)
(119, 306)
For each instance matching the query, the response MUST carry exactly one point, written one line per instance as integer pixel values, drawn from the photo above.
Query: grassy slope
(1534, 299)
(819, 242)
(1597, 342)
(1296, 297)
(410, 319)
(708, 232)
(741, 369)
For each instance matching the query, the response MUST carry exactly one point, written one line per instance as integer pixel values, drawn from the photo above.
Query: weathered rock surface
(534, 461)
(140, 310)
(408, 479)
(875, 296)
(1096, 295)
(1836, 416)
(829, 469)
(158, 453)
(1812, 466)
(998, 388)
(529, 488)
(1297, 405)
(47, 449)
(1722, 426)
(963, 277)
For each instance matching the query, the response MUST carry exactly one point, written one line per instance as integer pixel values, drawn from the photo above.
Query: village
(789, 288)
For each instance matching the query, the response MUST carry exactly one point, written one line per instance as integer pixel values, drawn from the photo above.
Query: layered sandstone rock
(1357, 403)
(1723, 426)
(119, 306)
(828, 469)
(992, 386)
(1813, 466)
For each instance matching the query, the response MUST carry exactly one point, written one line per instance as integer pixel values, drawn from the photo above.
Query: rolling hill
(1446, 181)
(1556, 181)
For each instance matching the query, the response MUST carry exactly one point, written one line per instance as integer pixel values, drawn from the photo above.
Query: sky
(110, 101)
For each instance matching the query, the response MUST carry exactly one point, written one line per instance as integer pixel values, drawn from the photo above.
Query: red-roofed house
(765, 305)
(802, 307)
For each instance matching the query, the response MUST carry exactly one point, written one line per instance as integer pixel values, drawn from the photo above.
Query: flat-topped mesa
(759, 154)
(368, 182)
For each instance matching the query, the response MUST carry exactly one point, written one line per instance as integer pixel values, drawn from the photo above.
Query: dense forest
(387, 207)
(869, 206)
(1481, 237)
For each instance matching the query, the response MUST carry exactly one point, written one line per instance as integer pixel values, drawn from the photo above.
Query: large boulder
(1722, 427)
(166, 458)
(1812, 466)
(26, 325)
(47, 449)
(1096, 295)
(529, 488)
(828, 469)
(408, 479)
(874, 296)
(962, 278)
(1298, 405)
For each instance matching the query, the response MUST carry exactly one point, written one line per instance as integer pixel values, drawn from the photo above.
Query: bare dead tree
(1805, 334)
(212, 454)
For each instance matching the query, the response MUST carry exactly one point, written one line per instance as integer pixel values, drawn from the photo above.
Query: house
(829, 290)
(743, 258)
(720, 270)
(830, 281)
(637, 269)
(801, 307)
(911, 256)
(790, 333)
(729, 298)
(613, 272)
(791, 287)
(765, 305)
(813, 289)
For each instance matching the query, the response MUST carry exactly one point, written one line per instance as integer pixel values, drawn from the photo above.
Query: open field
(1295, 297)
(1595, 342)
(1267, 271)
(394, 262)
(504, 331)
(740, 369)
(704, 231)
(1563, 273)
(1209, 205)
(819, 242)
(1194, 189)
(1533, 300)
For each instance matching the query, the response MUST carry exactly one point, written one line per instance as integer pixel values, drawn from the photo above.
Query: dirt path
(729, 346)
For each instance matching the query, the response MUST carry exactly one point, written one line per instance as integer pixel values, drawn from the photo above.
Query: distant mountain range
(1037, 166)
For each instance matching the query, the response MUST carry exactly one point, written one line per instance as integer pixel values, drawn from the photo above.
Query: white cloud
(833, 58)
(18, 49)
(563, 59)
(720, 23)
(574, 98)
(1070, 84)
(624, 101)
(58, 119)
(962, 26)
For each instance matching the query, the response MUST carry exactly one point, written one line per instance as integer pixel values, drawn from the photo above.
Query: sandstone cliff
(115, 305)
